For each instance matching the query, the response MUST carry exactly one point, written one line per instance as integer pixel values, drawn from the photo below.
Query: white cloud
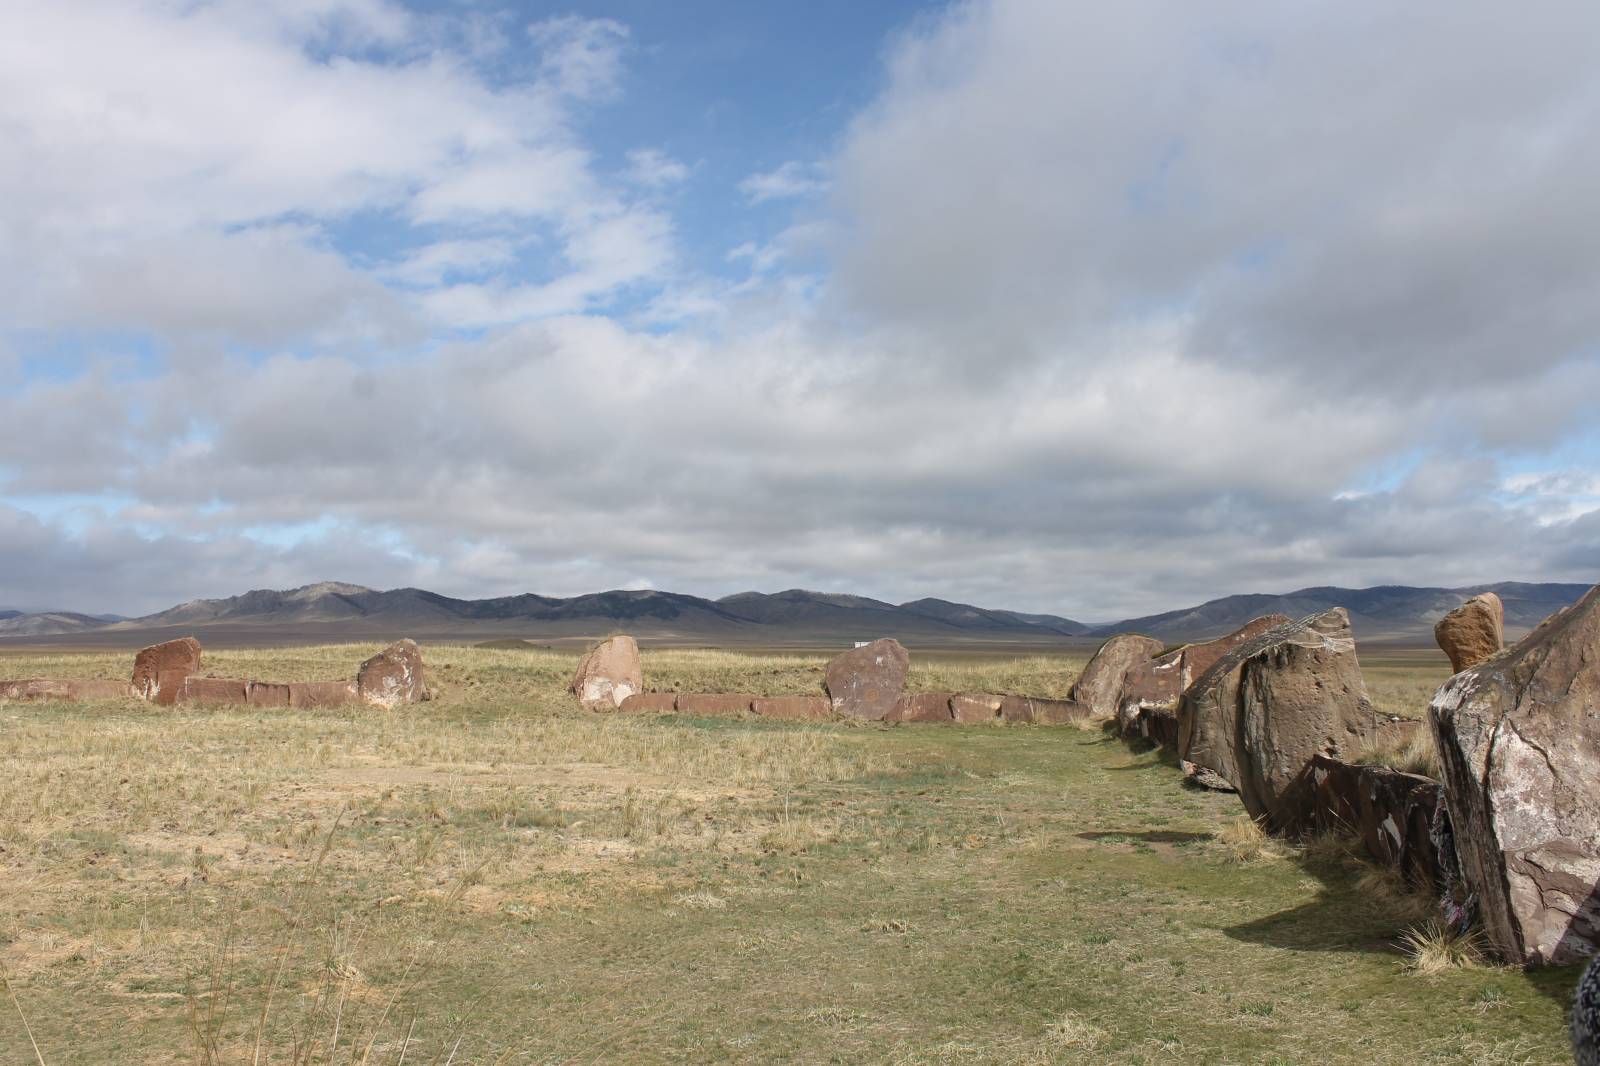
(653, 168)
(790, 180)
(1098, 310)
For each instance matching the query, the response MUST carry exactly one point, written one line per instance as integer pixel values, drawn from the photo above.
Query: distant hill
(332, 611)
(47, 623)
(337, 611)
(1386, 612)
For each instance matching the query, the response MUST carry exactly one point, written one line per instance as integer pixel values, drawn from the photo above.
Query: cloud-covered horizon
(1084, 310)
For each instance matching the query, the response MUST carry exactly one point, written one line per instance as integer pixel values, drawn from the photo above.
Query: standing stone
(865, 683)
(1152, 686)
(609, 674)
(1260, 714)
(1100, 685)
(159, 670)
(1519, 744)
(1472, 632)
(393, 676)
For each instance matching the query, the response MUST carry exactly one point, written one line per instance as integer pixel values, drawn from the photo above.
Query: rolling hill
(333, 611)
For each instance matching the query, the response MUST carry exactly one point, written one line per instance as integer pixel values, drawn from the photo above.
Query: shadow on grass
(1152, 836)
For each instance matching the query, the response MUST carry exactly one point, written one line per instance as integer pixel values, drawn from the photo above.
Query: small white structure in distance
(862, 643)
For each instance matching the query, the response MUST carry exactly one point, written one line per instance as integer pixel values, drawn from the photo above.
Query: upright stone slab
(1472, 632)
(1519, 744)
(609, 674)
(393, 676)
(160, 670)
(1260, 714)
(865, 683)
(1100, 685)
(1152, 687)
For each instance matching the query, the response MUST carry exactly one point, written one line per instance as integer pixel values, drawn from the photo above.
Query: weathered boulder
(1472, 632)
(393, 676)
(609, 674)
(1519, 743)
(1156, 684)
(976, 708)
(650, 703)
(865, 682)
(712, 703)
(159, 670)
(1100, 685)
(921, 707)
(1263, 710)
(798, 708)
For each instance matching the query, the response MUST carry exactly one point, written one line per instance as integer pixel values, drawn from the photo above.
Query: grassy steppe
(499, 877)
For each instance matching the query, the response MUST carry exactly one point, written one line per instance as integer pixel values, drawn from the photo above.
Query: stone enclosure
(169, 673)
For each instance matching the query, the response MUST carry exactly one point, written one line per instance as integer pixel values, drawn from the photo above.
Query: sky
(1082, 308)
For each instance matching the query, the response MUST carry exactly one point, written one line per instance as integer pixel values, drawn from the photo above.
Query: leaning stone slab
(1472, 632)
(922, 707)
(713, 703)
(1519, 742)
(159, 670)
(393, 676)
(609, 674)
(865, 682)
(1100, 686)
(1156, 684)
(1390, 812)
(1260, 714)
(797, 708)
(650, 703)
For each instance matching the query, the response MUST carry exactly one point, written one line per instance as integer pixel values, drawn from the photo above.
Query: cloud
(788, 181)
(1095, 310)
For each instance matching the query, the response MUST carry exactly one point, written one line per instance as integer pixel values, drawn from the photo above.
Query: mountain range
(333, 611)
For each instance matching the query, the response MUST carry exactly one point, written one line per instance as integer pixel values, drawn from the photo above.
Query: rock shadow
(1148, 836)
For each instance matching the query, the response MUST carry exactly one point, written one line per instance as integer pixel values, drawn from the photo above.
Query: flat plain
(498, 876)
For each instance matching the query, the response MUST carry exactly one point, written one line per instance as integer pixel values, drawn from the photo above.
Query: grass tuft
(1434, 948)
(1247, 840)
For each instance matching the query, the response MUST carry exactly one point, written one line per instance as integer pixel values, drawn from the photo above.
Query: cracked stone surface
(1519, 742)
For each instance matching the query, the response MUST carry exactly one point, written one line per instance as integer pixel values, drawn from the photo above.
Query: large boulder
(609, 674)
(159, 671)
(1153, 685)
(1262, 711)
(1472, 632)
(865, 682)
(393, 676)
(1100, 686)
(1519, 745)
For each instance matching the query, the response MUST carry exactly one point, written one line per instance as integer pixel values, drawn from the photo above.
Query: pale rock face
(1472, 632)
(865, 682)
(609, 674)
(1519, 743)
(1101, 684)
(1262, 711)
(393, 676)
(160, 670)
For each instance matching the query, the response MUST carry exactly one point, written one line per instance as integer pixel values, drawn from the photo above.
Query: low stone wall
(168, 674)
(943, 708)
